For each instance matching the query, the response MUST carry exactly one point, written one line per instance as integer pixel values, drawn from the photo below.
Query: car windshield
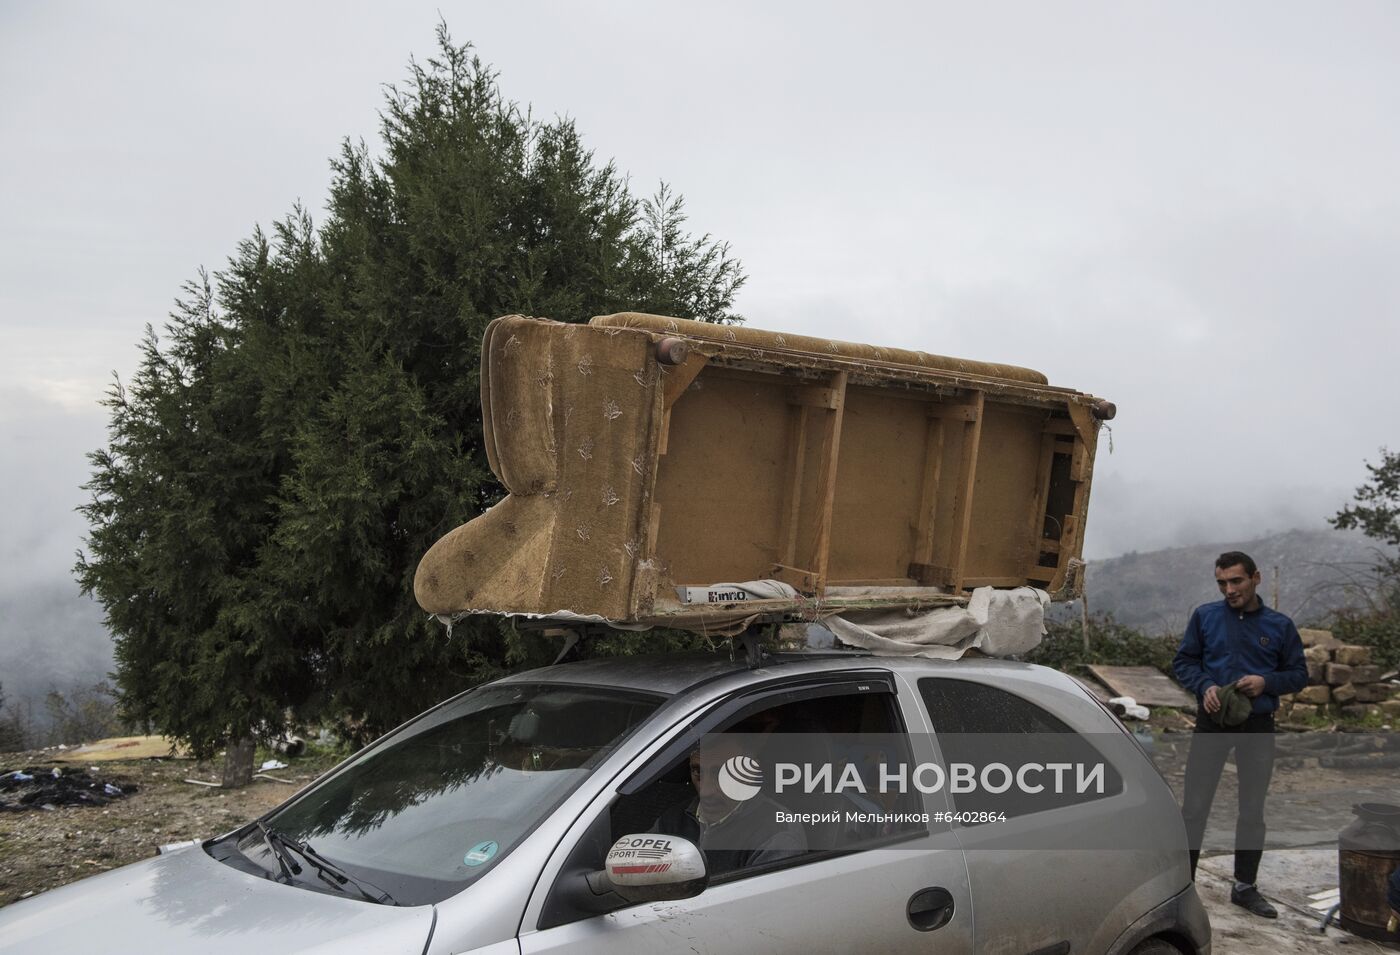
(440, 802)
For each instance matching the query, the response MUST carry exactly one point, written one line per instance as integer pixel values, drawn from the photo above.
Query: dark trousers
(1253, 743)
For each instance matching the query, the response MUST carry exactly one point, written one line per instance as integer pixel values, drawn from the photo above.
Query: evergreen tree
(281, 462)
(180, 500)
(1376, 510)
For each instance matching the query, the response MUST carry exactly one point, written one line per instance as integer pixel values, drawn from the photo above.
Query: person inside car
(734, 830)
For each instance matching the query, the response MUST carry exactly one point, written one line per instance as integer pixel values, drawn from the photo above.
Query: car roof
(671, 674)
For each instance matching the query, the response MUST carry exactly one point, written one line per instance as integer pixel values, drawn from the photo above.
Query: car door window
(977, 725)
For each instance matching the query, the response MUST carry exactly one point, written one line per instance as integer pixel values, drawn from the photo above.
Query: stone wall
(1342, 681)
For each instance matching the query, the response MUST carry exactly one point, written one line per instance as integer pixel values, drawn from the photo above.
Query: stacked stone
(1342, 680)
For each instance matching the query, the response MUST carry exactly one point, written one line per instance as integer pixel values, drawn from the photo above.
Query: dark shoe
(1250, 900)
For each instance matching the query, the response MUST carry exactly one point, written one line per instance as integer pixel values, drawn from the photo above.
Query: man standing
(1237, 656)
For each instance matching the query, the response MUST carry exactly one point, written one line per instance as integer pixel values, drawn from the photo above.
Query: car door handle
(930, 908)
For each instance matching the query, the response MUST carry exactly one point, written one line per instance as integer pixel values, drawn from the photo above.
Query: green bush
(1110, 644)
(1380, 631)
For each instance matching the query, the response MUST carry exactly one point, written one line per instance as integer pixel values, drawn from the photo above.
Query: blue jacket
(1221, 645)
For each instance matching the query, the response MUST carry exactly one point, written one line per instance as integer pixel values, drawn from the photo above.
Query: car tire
(1156, 946)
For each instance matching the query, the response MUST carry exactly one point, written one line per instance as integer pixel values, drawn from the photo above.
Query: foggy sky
(1191, 210)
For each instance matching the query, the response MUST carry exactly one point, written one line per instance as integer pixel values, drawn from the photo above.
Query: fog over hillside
(1156, 591)
(1128, 514)
(51, 638)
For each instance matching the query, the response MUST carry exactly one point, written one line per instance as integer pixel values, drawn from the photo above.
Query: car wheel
(1156, 946)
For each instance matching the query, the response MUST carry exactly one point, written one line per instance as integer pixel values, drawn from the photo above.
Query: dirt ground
(1295, 932)
(42, 849)
(1309, 804)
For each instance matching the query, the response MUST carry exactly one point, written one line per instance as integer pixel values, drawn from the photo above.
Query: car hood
(187, 902)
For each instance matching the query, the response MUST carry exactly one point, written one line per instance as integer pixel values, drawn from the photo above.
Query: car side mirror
(651, 867)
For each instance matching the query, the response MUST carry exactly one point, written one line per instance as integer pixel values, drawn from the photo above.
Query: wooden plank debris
(275, 779)
(123, 747)
(1146, 685)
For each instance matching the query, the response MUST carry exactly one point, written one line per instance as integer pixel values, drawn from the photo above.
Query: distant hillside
(51, 638)
(1156, 591)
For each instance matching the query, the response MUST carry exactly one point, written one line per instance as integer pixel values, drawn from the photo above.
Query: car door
(1063, 872)
(895, 892)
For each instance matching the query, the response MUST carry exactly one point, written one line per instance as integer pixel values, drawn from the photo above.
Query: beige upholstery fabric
(860, 477)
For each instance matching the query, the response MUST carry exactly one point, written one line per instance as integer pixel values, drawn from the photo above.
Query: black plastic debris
(48, 787)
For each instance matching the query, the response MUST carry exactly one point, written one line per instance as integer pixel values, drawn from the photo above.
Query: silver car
(574, 808)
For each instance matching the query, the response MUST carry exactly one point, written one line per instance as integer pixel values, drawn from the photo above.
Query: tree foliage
(310, 421)
(1375, 511)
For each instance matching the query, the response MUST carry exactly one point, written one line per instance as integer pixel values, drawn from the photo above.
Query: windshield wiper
(283, 845)
(280, 852)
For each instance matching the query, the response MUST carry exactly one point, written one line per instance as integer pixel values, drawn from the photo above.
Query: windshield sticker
(481, 853)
